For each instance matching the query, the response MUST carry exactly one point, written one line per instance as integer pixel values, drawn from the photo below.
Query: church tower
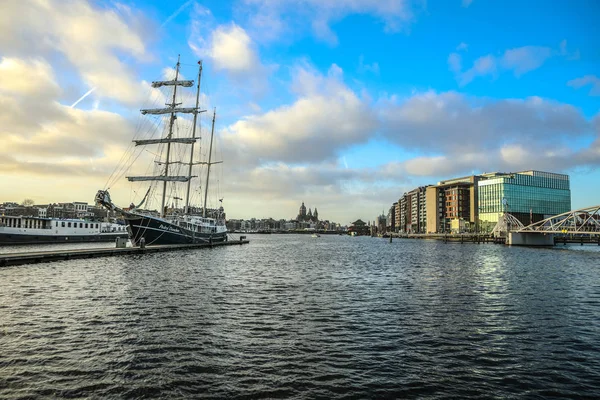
(316, 214)
(302, 212)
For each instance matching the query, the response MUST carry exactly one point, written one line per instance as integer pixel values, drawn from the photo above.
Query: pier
(449, 237)
(11, 259)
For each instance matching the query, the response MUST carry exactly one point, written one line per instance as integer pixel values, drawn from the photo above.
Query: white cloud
(466, 3)
(524, 59)
(33, 77)
(520, 61)
(462, 46)
(362, 67)
(439, 122)
(276, 20)
(229, 48)
(563, 51)
(455, 63)
(89, 38)
(486, 65)
(326, 117)
(513, 154)
(43, 137)
(587, 80)
(459, 134)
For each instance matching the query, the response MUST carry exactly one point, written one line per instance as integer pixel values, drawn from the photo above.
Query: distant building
(391, 218)
(411, 216)
(474, 203)
(360, 227)
(381, 224)
(303, 216)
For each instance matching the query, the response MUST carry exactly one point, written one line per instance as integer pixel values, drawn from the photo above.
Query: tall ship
(176, 161)
(35, 230)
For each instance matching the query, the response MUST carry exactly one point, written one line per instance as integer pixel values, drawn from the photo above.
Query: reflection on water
(295, 316)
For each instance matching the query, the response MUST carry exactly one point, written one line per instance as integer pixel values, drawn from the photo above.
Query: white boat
(315, 235)
(177, 228)
(34, 230)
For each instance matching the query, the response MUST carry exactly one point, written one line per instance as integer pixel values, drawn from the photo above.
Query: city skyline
(345, 105)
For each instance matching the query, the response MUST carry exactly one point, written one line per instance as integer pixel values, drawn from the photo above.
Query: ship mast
(171, 109)
(171, 121)
(212, 133)
(187, 196)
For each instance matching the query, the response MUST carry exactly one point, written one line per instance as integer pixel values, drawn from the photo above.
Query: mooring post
(390, 238)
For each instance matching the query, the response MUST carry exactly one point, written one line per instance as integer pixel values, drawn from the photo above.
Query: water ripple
(297, 317)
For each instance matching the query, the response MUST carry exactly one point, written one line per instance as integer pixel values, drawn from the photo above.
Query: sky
(341, 104)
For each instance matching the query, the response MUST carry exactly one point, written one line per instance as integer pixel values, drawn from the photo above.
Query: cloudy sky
(342, 104)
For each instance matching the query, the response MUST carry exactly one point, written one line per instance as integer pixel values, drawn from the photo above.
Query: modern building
(474, 203)
(402, 213)
(410, 212)
(530, 196)
(452, 205)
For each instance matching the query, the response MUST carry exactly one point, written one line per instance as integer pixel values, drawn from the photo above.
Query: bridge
(582, 222)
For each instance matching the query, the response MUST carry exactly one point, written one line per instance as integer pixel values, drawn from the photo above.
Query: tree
(27, 203)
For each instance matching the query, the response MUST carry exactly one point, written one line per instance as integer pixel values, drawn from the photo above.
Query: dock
(451, 238)
(11, 259)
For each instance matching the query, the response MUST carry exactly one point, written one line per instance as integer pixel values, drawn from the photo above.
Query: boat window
(96, 226)
(69, 224)
(81, 224)
(86, 225)
(63, 224)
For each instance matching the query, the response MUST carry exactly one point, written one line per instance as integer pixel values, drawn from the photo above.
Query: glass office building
(530, 196)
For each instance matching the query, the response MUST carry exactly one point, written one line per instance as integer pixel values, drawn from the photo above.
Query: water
(290, 316)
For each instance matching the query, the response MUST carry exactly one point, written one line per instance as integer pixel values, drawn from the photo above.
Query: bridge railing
(582, 221)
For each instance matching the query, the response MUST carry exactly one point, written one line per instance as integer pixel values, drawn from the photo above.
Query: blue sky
(341, 104)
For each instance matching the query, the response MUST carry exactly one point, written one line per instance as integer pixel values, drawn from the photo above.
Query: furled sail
(165, 140)
(157, 84)
(169, 110)
(161, 178)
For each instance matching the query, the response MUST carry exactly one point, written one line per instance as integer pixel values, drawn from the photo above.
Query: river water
(291, 316)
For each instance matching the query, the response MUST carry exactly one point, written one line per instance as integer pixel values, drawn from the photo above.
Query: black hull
(158, 232)
(13, 239)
